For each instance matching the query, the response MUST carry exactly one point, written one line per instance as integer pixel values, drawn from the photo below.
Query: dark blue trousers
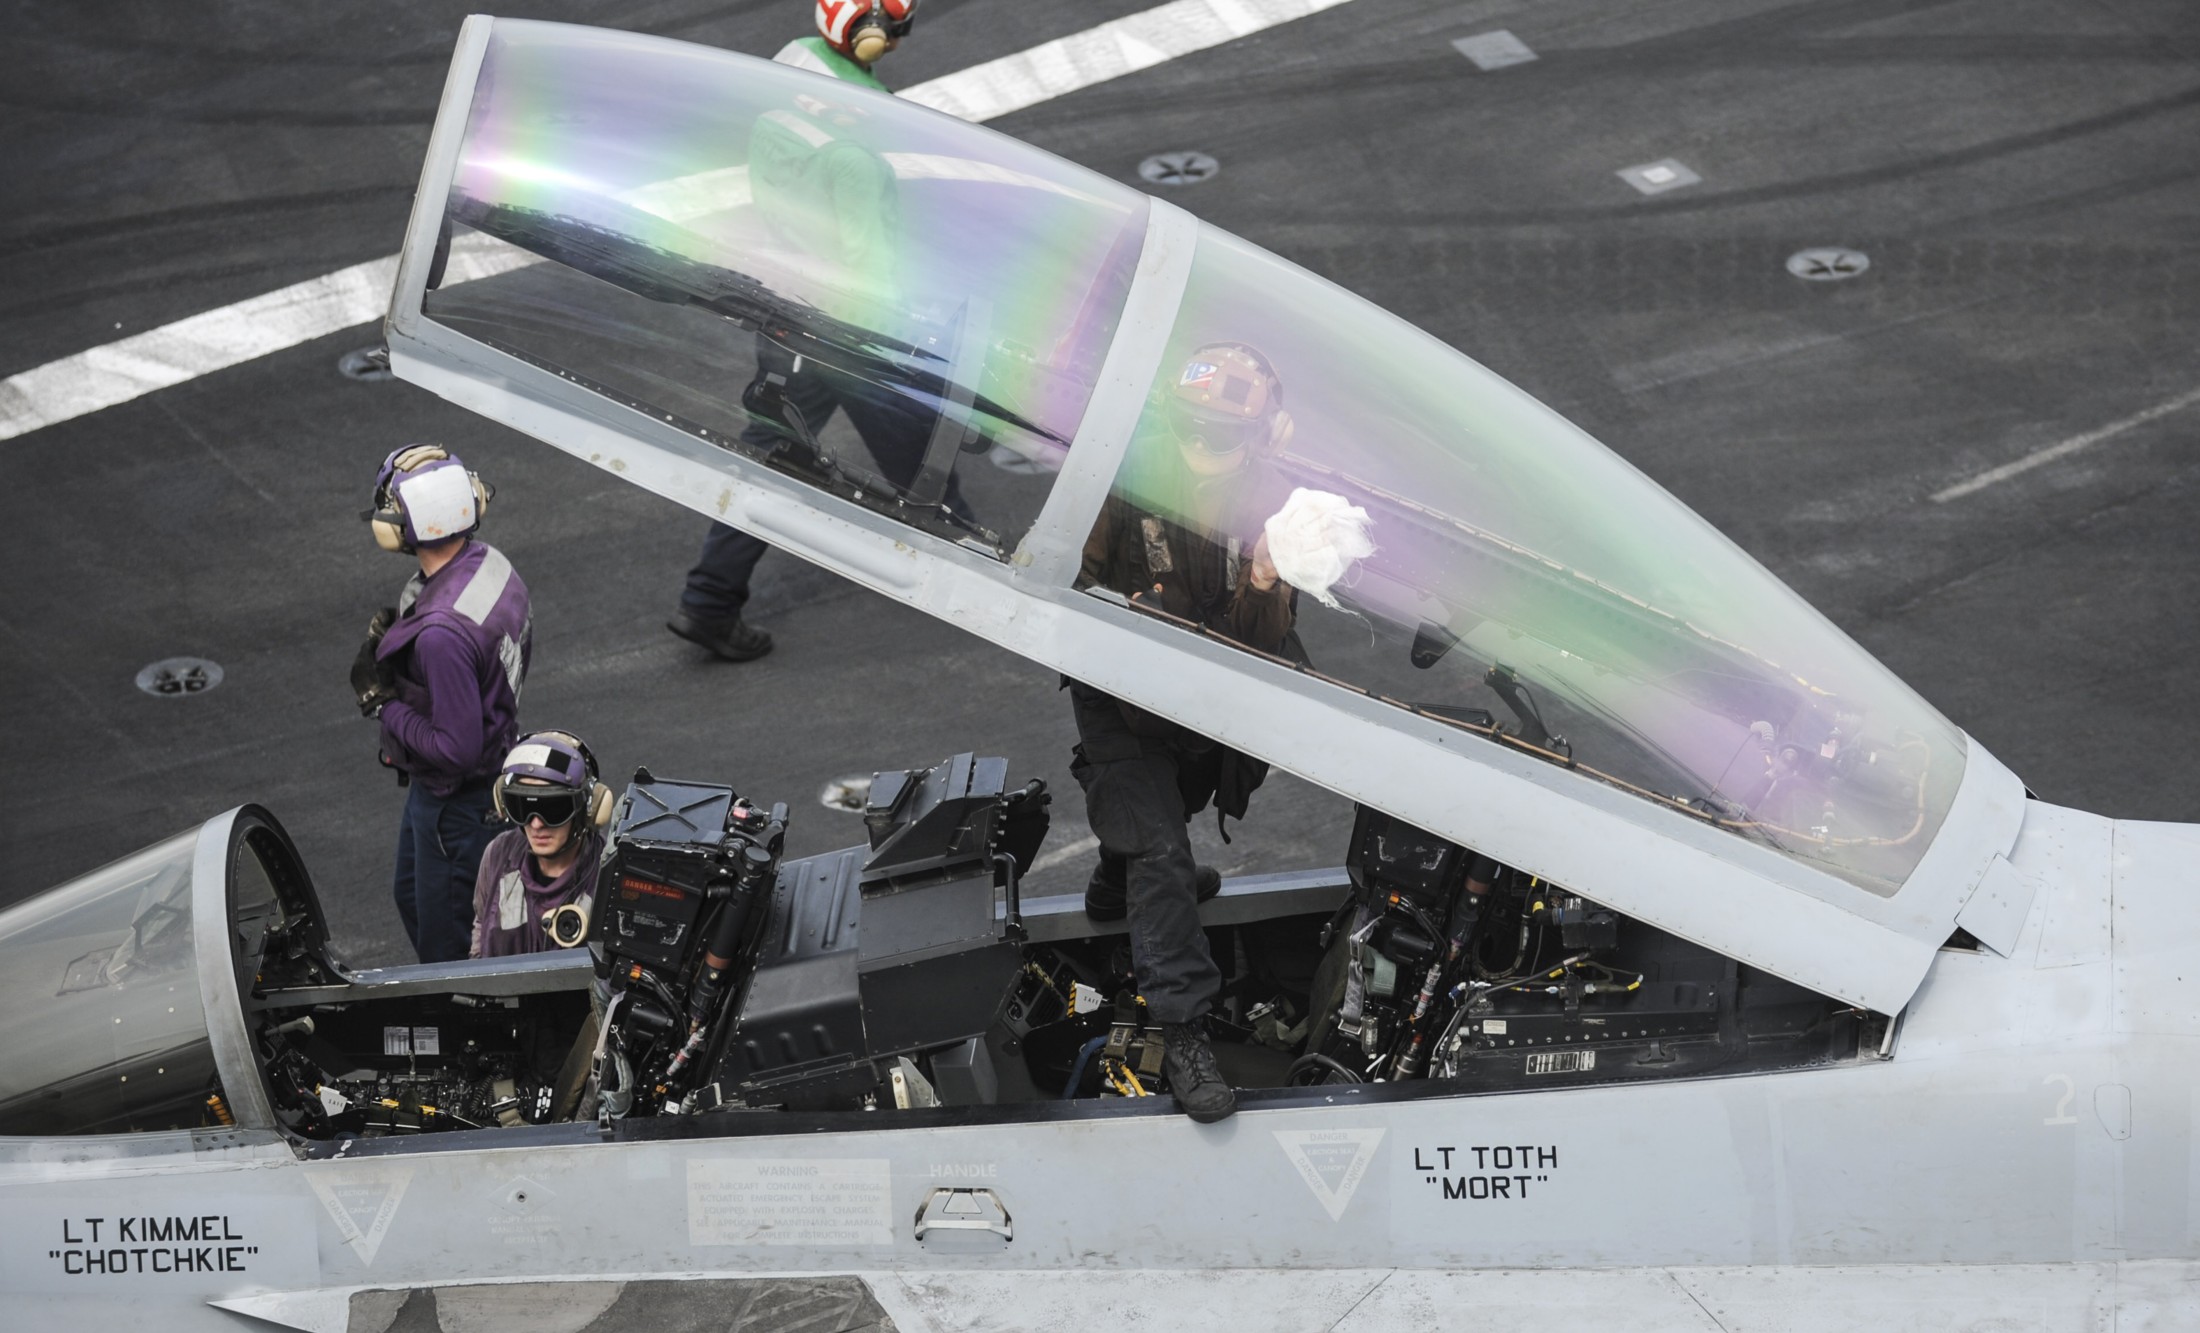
(439, 845)
(893, 427)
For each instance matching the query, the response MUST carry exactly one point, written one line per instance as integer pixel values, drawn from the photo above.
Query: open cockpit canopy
(123, 987)
(933, 358)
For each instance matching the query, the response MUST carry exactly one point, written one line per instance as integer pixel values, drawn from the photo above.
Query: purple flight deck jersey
(510, 897)
(461, 646)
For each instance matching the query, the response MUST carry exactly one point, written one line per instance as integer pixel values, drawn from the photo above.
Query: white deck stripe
(1122, 46)
(2041, 457)
(202, 344)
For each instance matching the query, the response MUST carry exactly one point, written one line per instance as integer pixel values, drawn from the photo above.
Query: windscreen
(885, 302)
(1315, 479)
(99, 982)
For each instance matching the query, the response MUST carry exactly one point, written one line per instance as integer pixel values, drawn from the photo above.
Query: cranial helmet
(424, 495)
(864, 30)
(564, 782)
(1224, 403)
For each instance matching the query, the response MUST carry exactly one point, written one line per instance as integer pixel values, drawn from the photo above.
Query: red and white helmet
(864, 30)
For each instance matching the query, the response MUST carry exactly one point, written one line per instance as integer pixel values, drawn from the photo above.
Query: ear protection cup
(388, 527)
(1280, 429)
(599, 809)
(867, 43)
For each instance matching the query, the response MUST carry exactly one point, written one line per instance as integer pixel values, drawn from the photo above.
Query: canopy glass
(1515, 574)
(881, 300)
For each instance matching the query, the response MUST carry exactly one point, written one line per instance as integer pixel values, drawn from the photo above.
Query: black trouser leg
(718, 587)
(1137, 811)
(897, 431)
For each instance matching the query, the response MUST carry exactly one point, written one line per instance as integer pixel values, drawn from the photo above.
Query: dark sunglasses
(555, 809)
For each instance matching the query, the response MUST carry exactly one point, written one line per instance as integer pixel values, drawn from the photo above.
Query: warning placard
(829, 1202)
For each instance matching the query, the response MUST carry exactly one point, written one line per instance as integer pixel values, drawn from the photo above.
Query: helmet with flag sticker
(864, 30)
(1224, 404)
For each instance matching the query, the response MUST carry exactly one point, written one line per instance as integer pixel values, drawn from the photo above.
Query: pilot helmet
(864, 30)
(423, 494)
(550, 775)
(1224, 403)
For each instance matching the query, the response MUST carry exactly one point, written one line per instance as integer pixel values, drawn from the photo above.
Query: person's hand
(374, 697)
(1263, 570)
(379, 623)
(373, 681)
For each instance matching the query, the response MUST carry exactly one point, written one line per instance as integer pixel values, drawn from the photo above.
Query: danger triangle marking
(362, 1206)
(1332, 1162)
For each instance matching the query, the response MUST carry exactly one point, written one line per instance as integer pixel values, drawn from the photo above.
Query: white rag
(1314, 539)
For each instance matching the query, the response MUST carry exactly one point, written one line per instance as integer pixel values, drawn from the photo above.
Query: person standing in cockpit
(1182, 535)
(826, 196)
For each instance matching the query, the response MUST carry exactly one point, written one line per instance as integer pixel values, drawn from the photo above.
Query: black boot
(730, 639)
(1189, 1063)
(1106, 898)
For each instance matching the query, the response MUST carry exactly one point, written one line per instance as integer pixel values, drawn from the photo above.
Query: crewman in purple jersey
(550, 788)
(442, 671)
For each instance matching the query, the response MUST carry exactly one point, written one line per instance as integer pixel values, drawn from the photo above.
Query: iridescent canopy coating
(930, 267)
(706, 215)
(1506, 539)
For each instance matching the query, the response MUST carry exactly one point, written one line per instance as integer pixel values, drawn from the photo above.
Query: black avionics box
(871, 952)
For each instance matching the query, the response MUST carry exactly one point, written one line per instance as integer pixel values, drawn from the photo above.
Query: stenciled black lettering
(233, 1259)
(95, 1221)
(1546, 1156)
(72, 1263)
(1455, 1187)
(66, 1238)
(1447, 1157)
(227, 1234)
(202, 1259)
(206, 1228)
(1523, 1150)
(1502, 1158)
(1478, 1187)
(159, 1228)
(1523, 1182)
(1420, 1165)
(1479, 1153)
(187, 1228)
(125, 1228)
(1500, 1187)
(169, 1255)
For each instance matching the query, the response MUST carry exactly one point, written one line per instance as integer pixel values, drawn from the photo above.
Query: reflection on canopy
(1522, 569)
(740, 248)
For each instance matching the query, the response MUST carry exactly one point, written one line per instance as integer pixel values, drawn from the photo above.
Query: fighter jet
(1784, 987)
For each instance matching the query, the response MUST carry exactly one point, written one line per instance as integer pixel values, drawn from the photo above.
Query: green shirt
(818, 56)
